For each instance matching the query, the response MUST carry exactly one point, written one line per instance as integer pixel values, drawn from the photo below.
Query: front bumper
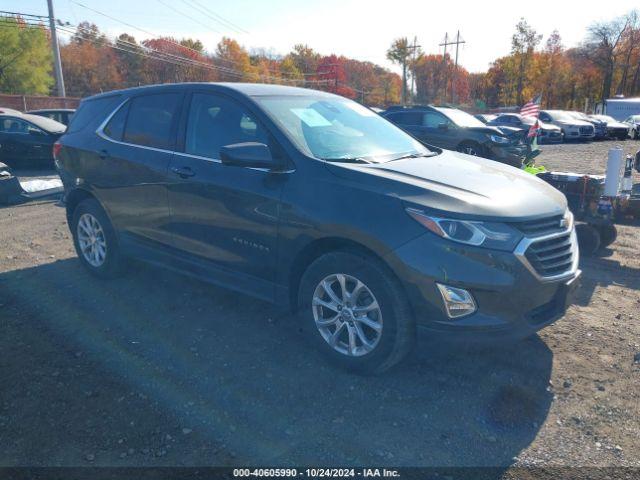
(512, 301)
(510, 154)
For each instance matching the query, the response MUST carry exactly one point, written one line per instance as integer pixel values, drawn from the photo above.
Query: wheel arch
(314, 250)
(73, 199)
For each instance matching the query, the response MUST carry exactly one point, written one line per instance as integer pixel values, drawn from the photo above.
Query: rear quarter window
(92, 112)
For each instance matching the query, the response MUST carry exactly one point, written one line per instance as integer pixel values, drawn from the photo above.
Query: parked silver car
(634, 126)
(572, 128)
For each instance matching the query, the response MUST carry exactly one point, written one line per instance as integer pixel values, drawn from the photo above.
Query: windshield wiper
(348, 160)
(414, 155)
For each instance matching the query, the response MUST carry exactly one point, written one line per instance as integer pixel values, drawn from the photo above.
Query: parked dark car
(547, 133)
(310, 200)
(615, 129)
(485, 117)
(454, 129)
(600, 127)
(62, 115)
(26, 141)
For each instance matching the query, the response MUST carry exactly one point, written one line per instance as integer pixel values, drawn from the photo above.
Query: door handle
(183, 172)
(103, 154)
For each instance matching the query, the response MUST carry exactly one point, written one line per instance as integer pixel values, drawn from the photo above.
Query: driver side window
(17, 126)
(434, 119)
(215, 121)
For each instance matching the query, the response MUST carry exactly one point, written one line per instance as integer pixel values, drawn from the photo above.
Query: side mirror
(443, 126)
(248, 155)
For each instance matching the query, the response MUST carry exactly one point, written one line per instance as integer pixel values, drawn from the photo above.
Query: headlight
(568, 219)
(498, 236)
(498, 139)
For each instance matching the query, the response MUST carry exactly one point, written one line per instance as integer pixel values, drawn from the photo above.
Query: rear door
(226, 215)
(130, 166)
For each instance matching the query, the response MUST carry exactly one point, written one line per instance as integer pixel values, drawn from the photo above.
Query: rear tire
(95, 240)
(356, 313)
(608, 235)
(588, 239)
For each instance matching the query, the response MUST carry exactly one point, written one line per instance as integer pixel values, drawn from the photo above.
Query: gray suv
(314, 202)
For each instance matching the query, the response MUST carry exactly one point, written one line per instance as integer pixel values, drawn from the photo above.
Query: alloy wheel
(347, 314)
(91, 239)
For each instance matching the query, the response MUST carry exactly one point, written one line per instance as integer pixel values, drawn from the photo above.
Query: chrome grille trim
(521, 254)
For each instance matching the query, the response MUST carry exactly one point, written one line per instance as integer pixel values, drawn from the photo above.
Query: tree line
(93, 63)
(604, 64)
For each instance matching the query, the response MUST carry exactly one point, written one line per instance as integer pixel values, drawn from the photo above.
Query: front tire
(95, 240)
(471, 148)
(356, 313)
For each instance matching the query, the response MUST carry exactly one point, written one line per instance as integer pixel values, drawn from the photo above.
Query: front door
(23, 144)
(226, 215)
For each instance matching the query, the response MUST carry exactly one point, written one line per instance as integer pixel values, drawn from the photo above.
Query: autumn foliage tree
(25, 57)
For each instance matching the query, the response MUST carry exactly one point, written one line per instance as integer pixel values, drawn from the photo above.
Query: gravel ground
(158, 369)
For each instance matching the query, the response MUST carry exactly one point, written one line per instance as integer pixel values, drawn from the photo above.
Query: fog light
(458, 302)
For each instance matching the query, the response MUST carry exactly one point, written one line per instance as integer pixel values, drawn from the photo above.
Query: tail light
(56, 150)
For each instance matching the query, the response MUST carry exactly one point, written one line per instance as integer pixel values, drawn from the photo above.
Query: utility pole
(404, 69)
(444, 44)
(56, 51)
(413, 63)
(455, 69)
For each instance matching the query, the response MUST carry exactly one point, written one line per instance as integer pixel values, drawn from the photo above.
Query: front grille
(586, 130)
(541, 226)
(553, 256)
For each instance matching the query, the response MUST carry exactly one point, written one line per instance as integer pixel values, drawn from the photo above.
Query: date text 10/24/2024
(317, 472)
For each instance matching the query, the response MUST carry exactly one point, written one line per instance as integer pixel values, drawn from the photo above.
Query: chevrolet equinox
(310, 200)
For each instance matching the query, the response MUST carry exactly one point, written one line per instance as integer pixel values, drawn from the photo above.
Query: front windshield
(561, 116)
(605, 118)
(335, 128)
(460, 118)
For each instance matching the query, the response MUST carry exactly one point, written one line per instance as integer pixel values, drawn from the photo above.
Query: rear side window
(406, 118)
(115, 128)
(150, 120)
(92, 111)
(216, 121)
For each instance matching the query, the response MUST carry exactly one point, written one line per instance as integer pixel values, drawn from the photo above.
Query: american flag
(532, 109)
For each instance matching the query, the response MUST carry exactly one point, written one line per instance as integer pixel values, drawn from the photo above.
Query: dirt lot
(158, 369)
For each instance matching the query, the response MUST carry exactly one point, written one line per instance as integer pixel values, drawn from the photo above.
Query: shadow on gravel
(159, 369)
(602, 271)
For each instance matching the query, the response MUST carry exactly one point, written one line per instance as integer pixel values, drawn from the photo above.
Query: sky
(357, 29)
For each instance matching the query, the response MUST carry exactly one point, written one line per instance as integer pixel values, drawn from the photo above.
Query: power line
(21, 14)
(152, 54)
(150, 33)
(195, 4)
(159, 55)
(187, 16)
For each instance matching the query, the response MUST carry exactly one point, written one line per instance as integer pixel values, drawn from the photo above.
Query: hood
(456, 184)
(488, 130)
(617, 125)
(548, 126)
(575, 123)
